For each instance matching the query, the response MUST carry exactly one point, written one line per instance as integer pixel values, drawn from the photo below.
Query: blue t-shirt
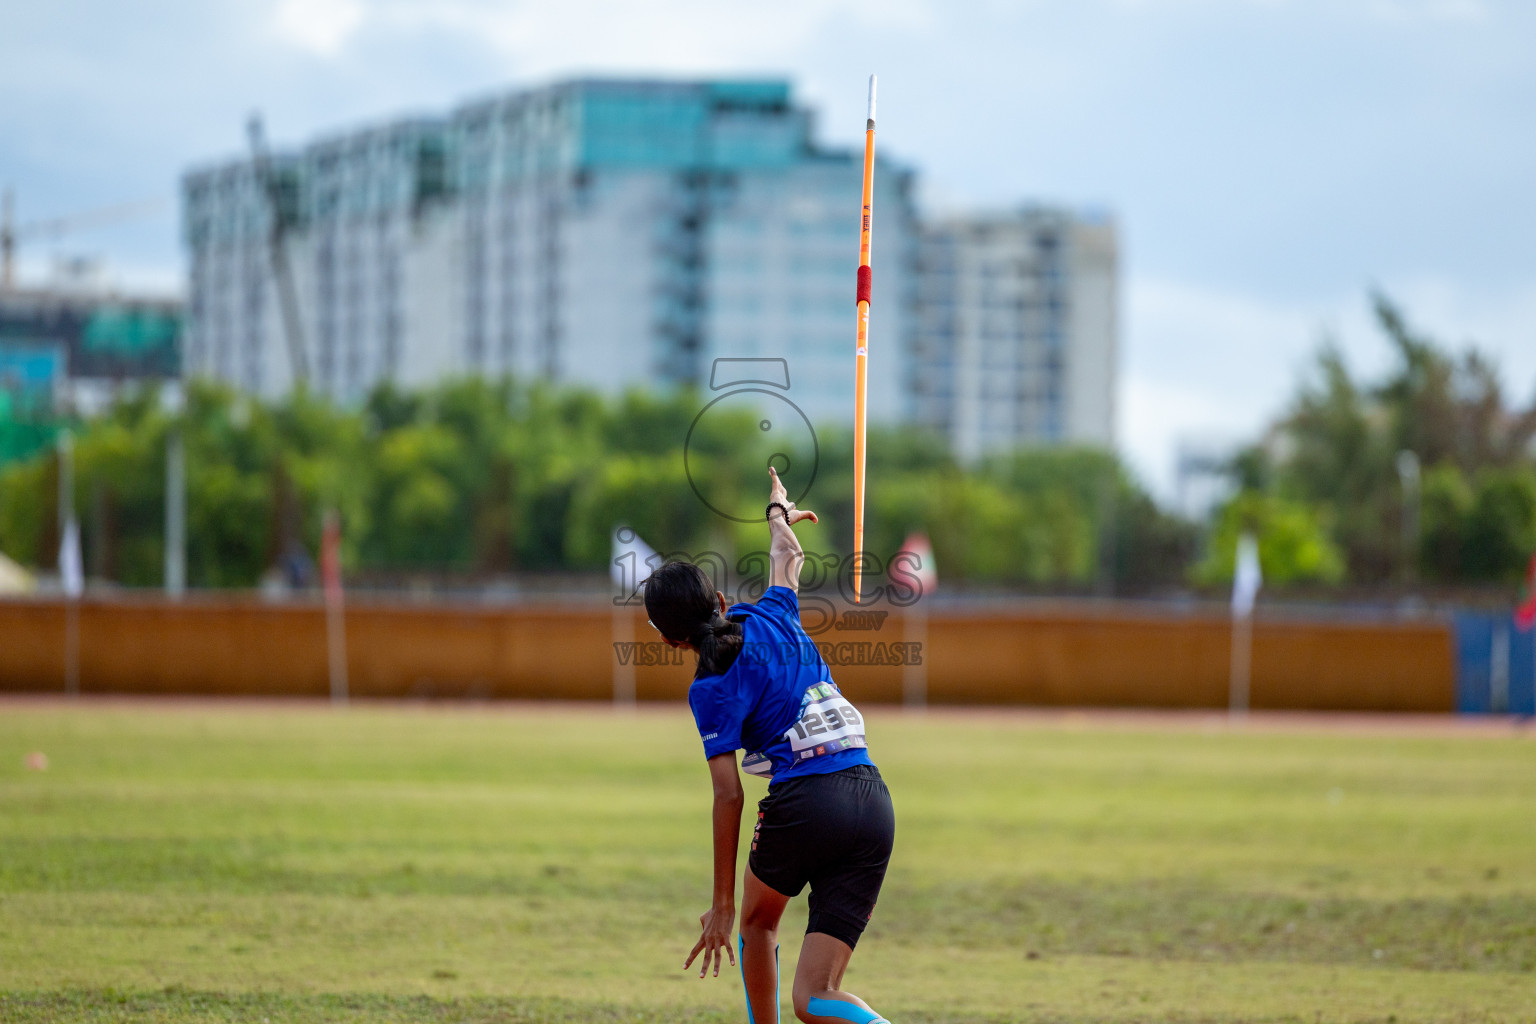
(777, 701)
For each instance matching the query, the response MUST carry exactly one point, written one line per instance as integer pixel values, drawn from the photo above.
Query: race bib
(827, 724)
(757, 764)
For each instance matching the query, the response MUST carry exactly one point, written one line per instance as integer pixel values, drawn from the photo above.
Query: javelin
(861, 350)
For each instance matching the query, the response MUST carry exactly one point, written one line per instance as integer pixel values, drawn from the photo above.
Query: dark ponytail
(680, 602)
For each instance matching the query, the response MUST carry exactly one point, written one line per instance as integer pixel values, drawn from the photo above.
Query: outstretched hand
(777, 494)
(715, 923)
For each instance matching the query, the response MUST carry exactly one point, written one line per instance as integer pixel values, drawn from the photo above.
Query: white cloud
(1394, 10)
(1430, 10)
(320, 27)
(663, 35)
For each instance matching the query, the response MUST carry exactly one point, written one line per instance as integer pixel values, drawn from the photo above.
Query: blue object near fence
(1495, 665)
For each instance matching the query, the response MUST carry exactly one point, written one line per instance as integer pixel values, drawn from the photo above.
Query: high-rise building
(606, 233)
(1016, 339)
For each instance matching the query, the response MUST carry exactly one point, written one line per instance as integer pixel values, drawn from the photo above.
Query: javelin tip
(871, 101)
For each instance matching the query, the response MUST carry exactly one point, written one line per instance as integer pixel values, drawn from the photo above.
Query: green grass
(426, 864)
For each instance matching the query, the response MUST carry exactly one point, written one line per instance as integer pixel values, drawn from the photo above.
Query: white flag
(70, 572)
(633, 560)
(1247, 577)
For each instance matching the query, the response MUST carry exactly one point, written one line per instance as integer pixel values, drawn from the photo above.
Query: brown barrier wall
(1019, 656)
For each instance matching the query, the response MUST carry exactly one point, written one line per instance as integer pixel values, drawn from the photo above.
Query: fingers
(792, 515)
(711, 949)
(720, 960)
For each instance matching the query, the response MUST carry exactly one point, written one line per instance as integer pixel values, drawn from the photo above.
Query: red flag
(1525, 615)
(330, 557)
(916, 559)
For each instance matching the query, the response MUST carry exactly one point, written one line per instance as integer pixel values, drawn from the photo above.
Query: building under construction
(69, 348)
(63, 352)
(605, 233)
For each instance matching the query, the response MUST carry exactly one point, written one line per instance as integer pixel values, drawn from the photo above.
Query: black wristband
(768, 512)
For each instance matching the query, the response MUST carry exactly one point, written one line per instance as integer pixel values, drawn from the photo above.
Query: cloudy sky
(1269, 161)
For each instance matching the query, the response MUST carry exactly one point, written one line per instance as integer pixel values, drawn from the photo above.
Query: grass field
(281, 863)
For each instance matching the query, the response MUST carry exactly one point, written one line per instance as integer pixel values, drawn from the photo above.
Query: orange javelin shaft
(861, 350)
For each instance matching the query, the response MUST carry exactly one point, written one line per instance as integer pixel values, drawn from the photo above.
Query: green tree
(1294, 545)
(1337, 449)
(27, 509)
(1500, 527)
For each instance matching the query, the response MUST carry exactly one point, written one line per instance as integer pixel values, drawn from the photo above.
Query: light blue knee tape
(844, 1011)
(741, 962)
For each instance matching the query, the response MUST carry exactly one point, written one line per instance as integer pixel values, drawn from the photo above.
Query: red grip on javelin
(864, 279)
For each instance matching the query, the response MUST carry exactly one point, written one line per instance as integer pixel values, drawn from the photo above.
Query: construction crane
(11, 233)
(280, 220)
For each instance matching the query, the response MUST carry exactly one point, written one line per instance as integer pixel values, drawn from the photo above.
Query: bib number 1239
(827, 723)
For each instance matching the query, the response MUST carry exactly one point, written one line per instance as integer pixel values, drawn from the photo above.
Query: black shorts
(835, 832)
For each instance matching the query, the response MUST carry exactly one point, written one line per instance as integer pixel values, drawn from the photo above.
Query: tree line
(477, 478)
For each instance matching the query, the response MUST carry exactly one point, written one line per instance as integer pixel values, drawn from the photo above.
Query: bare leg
(819, 998)
(761, 908)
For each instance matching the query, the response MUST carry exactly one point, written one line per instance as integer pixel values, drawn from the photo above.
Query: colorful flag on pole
(335, 614)
(916, 560)
(1525, 614)
(330, 557)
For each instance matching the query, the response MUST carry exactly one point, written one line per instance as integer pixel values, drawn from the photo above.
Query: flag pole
(1241, 669)
(631, 562)
(71, 573)
(1247, 578)
(175, 515)
(335, 605)
(861, 349)
(624, 667)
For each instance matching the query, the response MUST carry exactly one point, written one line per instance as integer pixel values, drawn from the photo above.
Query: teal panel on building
(641, 129)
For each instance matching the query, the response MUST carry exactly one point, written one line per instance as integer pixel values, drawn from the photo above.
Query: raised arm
(785, 556)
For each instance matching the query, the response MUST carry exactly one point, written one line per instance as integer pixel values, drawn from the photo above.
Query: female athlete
(762, 687)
